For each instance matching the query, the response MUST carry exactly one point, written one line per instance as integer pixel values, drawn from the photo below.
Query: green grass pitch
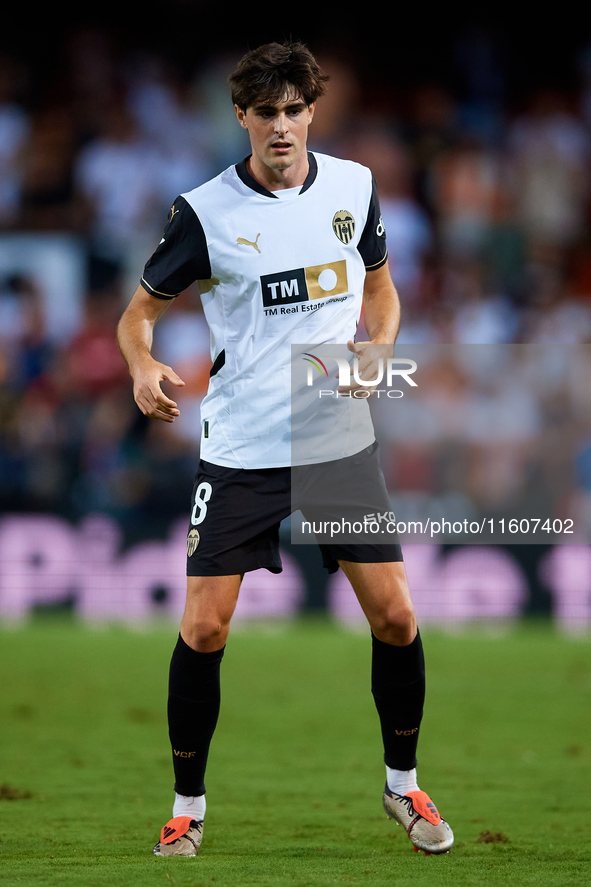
(295, 774)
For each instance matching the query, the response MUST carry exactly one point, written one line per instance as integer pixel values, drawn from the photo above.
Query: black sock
(193, 708)
(398, 687)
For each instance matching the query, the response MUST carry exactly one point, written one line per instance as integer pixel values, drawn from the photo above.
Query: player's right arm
(135, 336)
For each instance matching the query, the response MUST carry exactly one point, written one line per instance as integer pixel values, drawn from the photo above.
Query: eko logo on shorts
(303, 284)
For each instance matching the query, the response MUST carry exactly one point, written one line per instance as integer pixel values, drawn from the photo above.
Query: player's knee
(206, 634)
(397, 624)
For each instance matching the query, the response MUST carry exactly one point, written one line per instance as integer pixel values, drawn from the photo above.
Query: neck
(278, 179)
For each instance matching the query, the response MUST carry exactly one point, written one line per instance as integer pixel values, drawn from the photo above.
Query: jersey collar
(247, 179)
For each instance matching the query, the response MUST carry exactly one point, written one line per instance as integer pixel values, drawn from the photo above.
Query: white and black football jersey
(274, 269)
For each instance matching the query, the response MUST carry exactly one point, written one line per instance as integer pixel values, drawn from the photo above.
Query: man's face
(278, 132)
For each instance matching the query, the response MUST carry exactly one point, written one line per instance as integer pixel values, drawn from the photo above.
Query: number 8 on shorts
(202, 497)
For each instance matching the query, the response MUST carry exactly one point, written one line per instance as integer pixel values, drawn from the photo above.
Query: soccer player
(257, 238)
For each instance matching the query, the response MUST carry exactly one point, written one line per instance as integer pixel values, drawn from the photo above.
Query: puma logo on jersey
(246, 242)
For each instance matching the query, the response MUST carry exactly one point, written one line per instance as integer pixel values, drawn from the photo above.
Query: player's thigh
(383, 593)
(210, 605)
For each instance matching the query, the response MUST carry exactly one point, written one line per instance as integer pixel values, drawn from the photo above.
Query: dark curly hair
(269, 73)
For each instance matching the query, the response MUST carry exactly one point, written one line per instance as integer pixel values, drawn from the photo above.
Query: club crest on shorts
(343, 225)
(192, 542)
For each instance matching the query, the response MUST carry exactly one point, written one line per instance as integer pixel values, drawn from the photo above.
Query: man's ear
(241, 115)
(311, 109)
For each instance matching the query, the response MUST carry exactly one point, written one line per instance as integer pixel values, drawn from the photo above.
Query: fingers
(169, 375)
(157, 406)
(150, 398)
(366, 366)
(346, 389)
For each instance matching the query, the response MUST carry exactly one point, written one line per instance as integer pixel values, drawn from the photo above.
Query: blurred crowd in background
(486, 205)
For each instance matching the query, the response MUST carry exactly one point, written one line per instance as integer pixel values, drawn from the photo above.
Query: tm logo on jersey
(282, 291)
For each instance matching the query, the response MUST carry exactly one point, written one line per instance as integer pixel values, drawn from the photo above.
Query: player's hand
(149, 395)
(368, 357)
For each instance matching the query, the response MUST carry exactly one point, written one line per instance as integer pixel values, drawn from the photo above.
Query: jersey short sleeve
(181, 257)
(372, 245)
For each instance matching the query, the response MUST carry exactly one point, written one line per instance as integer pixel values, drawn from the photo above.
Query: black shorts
(236, 514)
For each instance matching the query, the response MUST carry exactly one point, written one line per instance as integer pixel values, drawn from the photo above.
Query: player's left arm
(382, 321)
